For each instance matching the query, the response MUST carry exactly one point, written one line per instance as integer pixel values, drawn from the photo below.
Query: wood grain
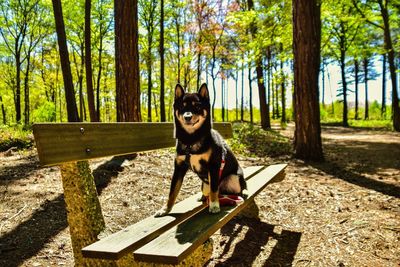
(175, 244)
(129, 239)
(65, 142)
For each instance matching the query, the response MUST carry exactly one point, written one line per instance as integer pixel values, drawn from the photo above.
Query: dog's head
(192, 110)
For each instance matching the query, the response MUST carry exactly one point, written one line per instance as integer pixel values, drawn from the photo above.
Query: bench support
(84, 215)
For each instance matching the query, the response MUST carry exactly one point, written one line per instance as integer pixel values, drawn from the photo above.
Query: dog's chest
(197, 162)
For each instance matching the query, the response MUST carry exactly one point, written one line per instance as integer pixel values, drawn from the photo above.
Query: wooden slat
(175, 244)
(118, 244)
(64, 142)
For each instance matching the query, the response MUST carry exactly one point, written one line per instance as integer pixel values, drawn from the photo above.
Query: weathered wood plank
(64, 142)
(129, 239)
(175, 244)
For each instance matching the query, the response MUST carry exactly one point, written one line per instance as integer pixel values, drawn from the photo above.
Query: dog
(203, 150)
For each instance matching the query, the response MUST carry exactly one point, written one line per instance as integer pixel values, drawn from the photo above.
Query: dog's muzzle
(187, 116)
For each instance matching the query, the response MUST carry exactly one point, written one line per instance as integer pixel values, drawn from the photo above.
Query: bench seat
(171, 238)
(118, 244)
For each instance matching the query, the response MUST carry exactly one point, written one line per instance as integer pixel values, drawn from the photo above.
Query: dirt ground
(343, 212)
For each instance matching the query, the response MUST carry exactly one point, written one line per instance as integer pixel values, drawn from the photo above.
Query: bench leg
(251, 211)
(197, 258)
(84, 215)
(200, 256)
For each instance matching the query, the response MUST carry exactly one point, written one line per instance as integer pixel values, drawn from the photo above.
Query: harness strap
(221, 168)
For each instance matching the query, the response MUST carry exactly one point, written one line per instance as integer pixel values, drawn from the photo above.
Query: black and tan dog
(203, 150)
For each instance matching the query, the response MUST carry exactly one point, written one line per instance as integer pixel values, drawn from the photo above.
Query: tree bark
(162, 63)
(84, 215)
(65, 64)
(264, 111)
(3, 111)
(392, 65)
(250, 95)
(342, 62)
(366, 114)
(26, 90)
(88, 63)
(356, 71)
(127, 60)
(306, 47)
(383, 108)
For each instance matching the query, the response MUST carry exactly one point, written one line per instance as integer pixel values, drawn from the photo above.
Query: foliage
(252, 140)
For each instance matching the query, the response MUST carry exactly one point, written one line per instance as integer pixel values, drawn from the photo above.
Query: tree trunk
(237, 94)
(250, 96)
(242, 96)
(392, 66)
(383, 108)
(127, 60)
(88, 63)
(323, 83)
(3, 111)
(18, 88)
(149, 79)
(283, 119)
(268, 78)
(306, 48)
(162, 63)
(26, 90)
(366, 114)
(65, 64)
(344, 81)
(222, 100)
(264, 112)
(356, 70)
(84, 215)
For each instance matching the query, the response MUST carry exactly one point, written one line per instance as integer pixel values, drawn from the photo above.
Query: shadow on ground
(253, 243)
(362, 163)
(29, 237)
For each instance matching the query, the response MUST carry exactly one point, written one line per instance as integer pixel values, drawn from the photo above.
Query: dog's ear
(179, 92)
(203, 91)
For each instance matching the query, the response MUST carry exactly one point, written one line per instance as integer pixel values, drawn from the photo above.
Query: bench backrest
(65, 142)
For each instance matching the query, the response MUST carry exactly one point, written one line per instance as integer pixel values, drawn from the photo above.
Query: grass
(15, 136)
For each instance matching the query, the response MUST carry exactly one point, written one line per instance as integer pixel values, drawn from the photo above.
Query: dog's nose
(187, 116)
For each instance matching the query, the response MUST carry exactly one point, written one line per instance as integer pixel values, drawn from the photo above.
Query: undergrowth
(15, 136)
(253, 141)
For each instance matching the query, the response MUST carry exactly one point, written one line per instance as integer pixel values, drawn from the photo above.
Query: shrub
(252, 140)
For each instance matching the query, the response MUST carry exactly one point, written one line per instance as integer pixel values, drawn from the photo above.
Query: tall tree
(148, 17)
(16, 16)
(383, 108)
(264, 110)
(104, 21)
(3, 111)
(84, 214)
(88, 62)
(65, 64)
(382, 8)
(162, 64)
(127, 60)
(306, 49)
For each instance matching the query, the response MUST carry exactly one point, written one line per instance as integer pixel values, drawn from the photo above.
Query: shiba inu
(203, 150)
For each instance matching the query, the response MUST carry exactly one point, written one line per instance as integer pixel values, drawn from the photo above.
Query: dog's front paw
(162, 212)
(214, 207)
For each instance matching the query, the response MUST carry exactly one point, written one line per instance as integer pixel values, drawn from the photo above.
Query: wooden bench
(167, 240)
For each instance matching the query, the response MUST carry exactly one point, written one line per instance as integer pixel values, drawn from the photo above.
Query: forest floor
(342, 212)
